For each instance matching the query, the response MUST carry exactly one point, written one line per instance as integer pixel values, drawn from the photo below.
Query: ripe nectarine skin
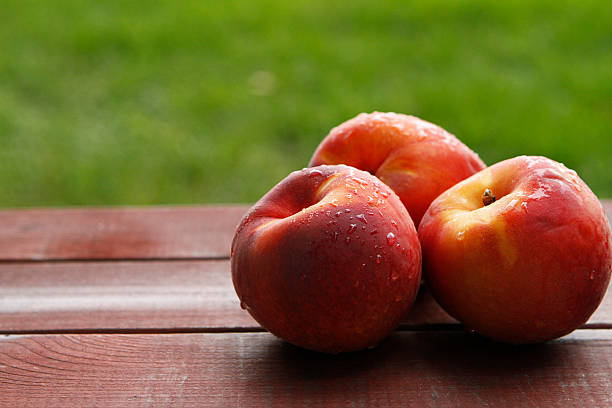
(525, 262)
(328, 260)
(417, 159)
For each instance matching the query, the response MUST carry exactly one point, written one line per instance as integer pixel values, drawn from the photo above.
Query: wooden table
(135, 307)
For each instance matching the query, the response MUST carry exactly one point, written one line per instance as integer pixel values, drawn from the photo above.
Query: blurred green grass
(155, 102)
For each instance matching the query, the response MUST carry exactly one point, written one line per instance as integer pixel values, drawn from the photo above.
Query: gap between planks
(110, 260)
(440, 327)
(212, 330)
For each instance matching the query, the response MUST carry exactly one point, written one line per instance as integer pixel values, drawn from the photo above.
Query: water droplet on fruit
(394, 224)
(378, 259)
(352, 228)
(542, 192)
(394, 275)
(460, 235)
(243, 305)
(362, 267)
(335, 238)
(362, 218)
(347, 210)
(356, 284)
(592, 275)
(391, 239)
(339, 213)
(349, 196)
(334, 202)
(347, 240)
(384, 193)
(374, 231)
(315, 173)
(398, 298)
(511, 204)
(360, 181)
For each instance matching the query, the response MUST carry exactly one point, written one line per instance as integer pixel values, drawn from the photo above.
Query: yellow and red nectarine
(519, 252)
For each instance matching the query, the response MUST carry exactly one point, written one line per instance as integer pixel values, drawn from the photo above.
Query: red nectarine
(328, 260)
(417, 159)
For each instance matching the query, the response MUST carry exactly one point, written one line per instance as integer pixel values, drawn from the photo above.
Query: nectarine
(519, 252)
(417, 159)
(328, 260)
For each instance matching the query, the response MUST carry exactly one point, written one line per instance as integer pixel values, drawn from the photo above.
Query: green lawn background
(126, 102)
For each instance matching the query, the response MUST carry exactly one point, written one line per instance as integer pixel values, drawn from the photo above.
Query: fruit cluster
(330, 259)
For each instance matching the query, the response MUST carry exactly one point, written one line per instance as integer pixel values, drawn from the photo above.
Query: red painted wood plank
(424, 369)
(123, 233)
(118, 233)
(154, 295)
(118, 295)
(180, 295)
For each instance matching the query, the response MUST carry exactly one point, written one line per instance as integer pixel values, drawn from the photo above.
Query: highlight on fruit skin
(328, 259)
(531, 265)
(417, 159)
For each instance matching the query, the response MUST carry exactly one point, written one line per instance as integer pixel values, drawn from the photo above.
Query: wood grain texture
(255, 369)
(171, 285)
(123, 233)
(155, 295)
(164, 295)
(118, 233)
(119, 295)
